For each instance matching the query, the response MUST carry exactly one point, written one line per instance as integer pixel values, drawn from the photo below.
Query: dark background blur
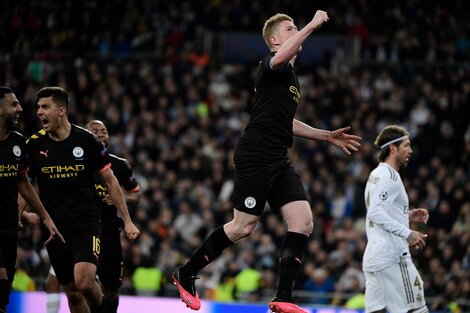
(173, 82)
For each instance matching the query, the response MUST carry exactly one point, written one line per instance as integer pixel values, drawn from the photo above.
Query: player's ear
(274, 41)
(62, 110)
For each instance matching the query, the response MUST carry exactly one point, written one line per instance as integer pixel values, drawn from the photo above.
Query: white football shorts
(399, 288)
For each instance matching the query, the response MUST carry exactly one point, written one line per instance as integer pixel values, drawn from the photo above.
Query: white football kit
(392, 280)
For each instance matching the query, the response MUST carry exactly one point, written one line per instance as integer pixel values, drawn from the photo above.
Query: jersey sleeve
(382, 199)
(126, 177)
(24, 160)
(100, 155)
(266, 63)
(30, 152)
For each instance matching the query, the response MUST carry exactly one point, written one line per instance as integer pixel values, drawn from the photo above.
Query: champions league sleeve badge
(383, 195)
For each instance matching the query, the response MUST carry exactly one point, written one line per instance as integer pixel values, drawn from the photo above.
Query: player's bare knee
(84, 283)
(303, 227)
(74, 297)
(247, 229)
(237, 231)
(308, 228)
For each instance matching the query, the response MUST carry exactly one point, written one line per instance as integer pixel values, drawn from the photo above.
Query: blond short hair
(270, 26)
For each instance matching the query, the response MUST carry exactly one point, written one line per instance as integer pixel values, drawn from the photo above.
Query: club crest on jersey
(16, 151)
(77, 152)
(250, 202)
(419, 298)
(383, 195)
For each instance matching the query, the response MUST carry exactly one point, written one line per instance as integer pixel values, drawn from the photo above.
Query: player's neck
(62, 132)
(393, 164)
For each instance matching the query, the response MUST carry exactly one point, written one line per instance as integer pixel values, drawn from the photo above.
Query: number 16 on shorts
(96, 246)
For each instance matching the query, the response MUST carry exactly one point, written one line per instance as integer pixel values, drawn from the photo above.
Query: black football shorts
(83, 245)
(264, 176)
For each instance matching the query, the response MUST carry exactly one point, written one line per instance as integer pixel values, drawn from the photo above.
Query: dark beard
(10, 123)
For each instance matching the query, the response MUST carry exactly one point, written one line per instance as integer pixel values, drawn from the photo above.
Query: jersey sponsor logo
(44, 153)
(16, 151)
(9, 170)
(296, 93)
(250, 202)
(66, 171)
(78, 152)
(100, 190)
(383, 195)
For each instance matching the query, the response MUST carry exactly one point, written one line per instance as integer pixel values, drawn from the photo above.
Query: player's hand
(344, 141)
(417, 239)
(319, 18)
(132, 232)
(419, 215)
(108, 200)
(52, 230)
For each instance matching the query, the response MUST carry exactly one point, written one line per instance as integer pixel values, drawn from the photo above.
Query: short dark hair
(58, 94)
(386, 135)
(4, 91)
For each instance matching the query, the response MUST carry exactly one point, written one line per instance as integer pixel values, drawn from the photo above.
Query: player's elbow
(279, 61)
(373, 215)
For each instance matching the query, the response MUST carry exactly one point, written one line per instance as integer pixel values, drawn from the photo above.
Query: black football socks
(211, 248)
(290, 263)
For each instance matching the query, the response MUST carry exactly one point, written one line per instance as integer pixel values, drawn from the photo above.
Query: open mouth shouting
(44, 122)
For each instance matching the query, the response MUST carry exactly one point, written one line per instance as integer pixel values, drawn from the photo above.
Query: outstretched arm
(291, 47)
(338, 137)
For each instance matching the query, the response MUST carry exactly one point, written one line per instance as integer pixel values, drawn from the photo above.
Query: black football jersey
(65, 172)
(123, 172)
(277, 94)
(13, 160)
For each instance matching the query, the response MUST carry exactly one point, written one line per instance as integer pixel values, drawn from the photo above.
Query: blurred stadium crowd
(176, 114)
